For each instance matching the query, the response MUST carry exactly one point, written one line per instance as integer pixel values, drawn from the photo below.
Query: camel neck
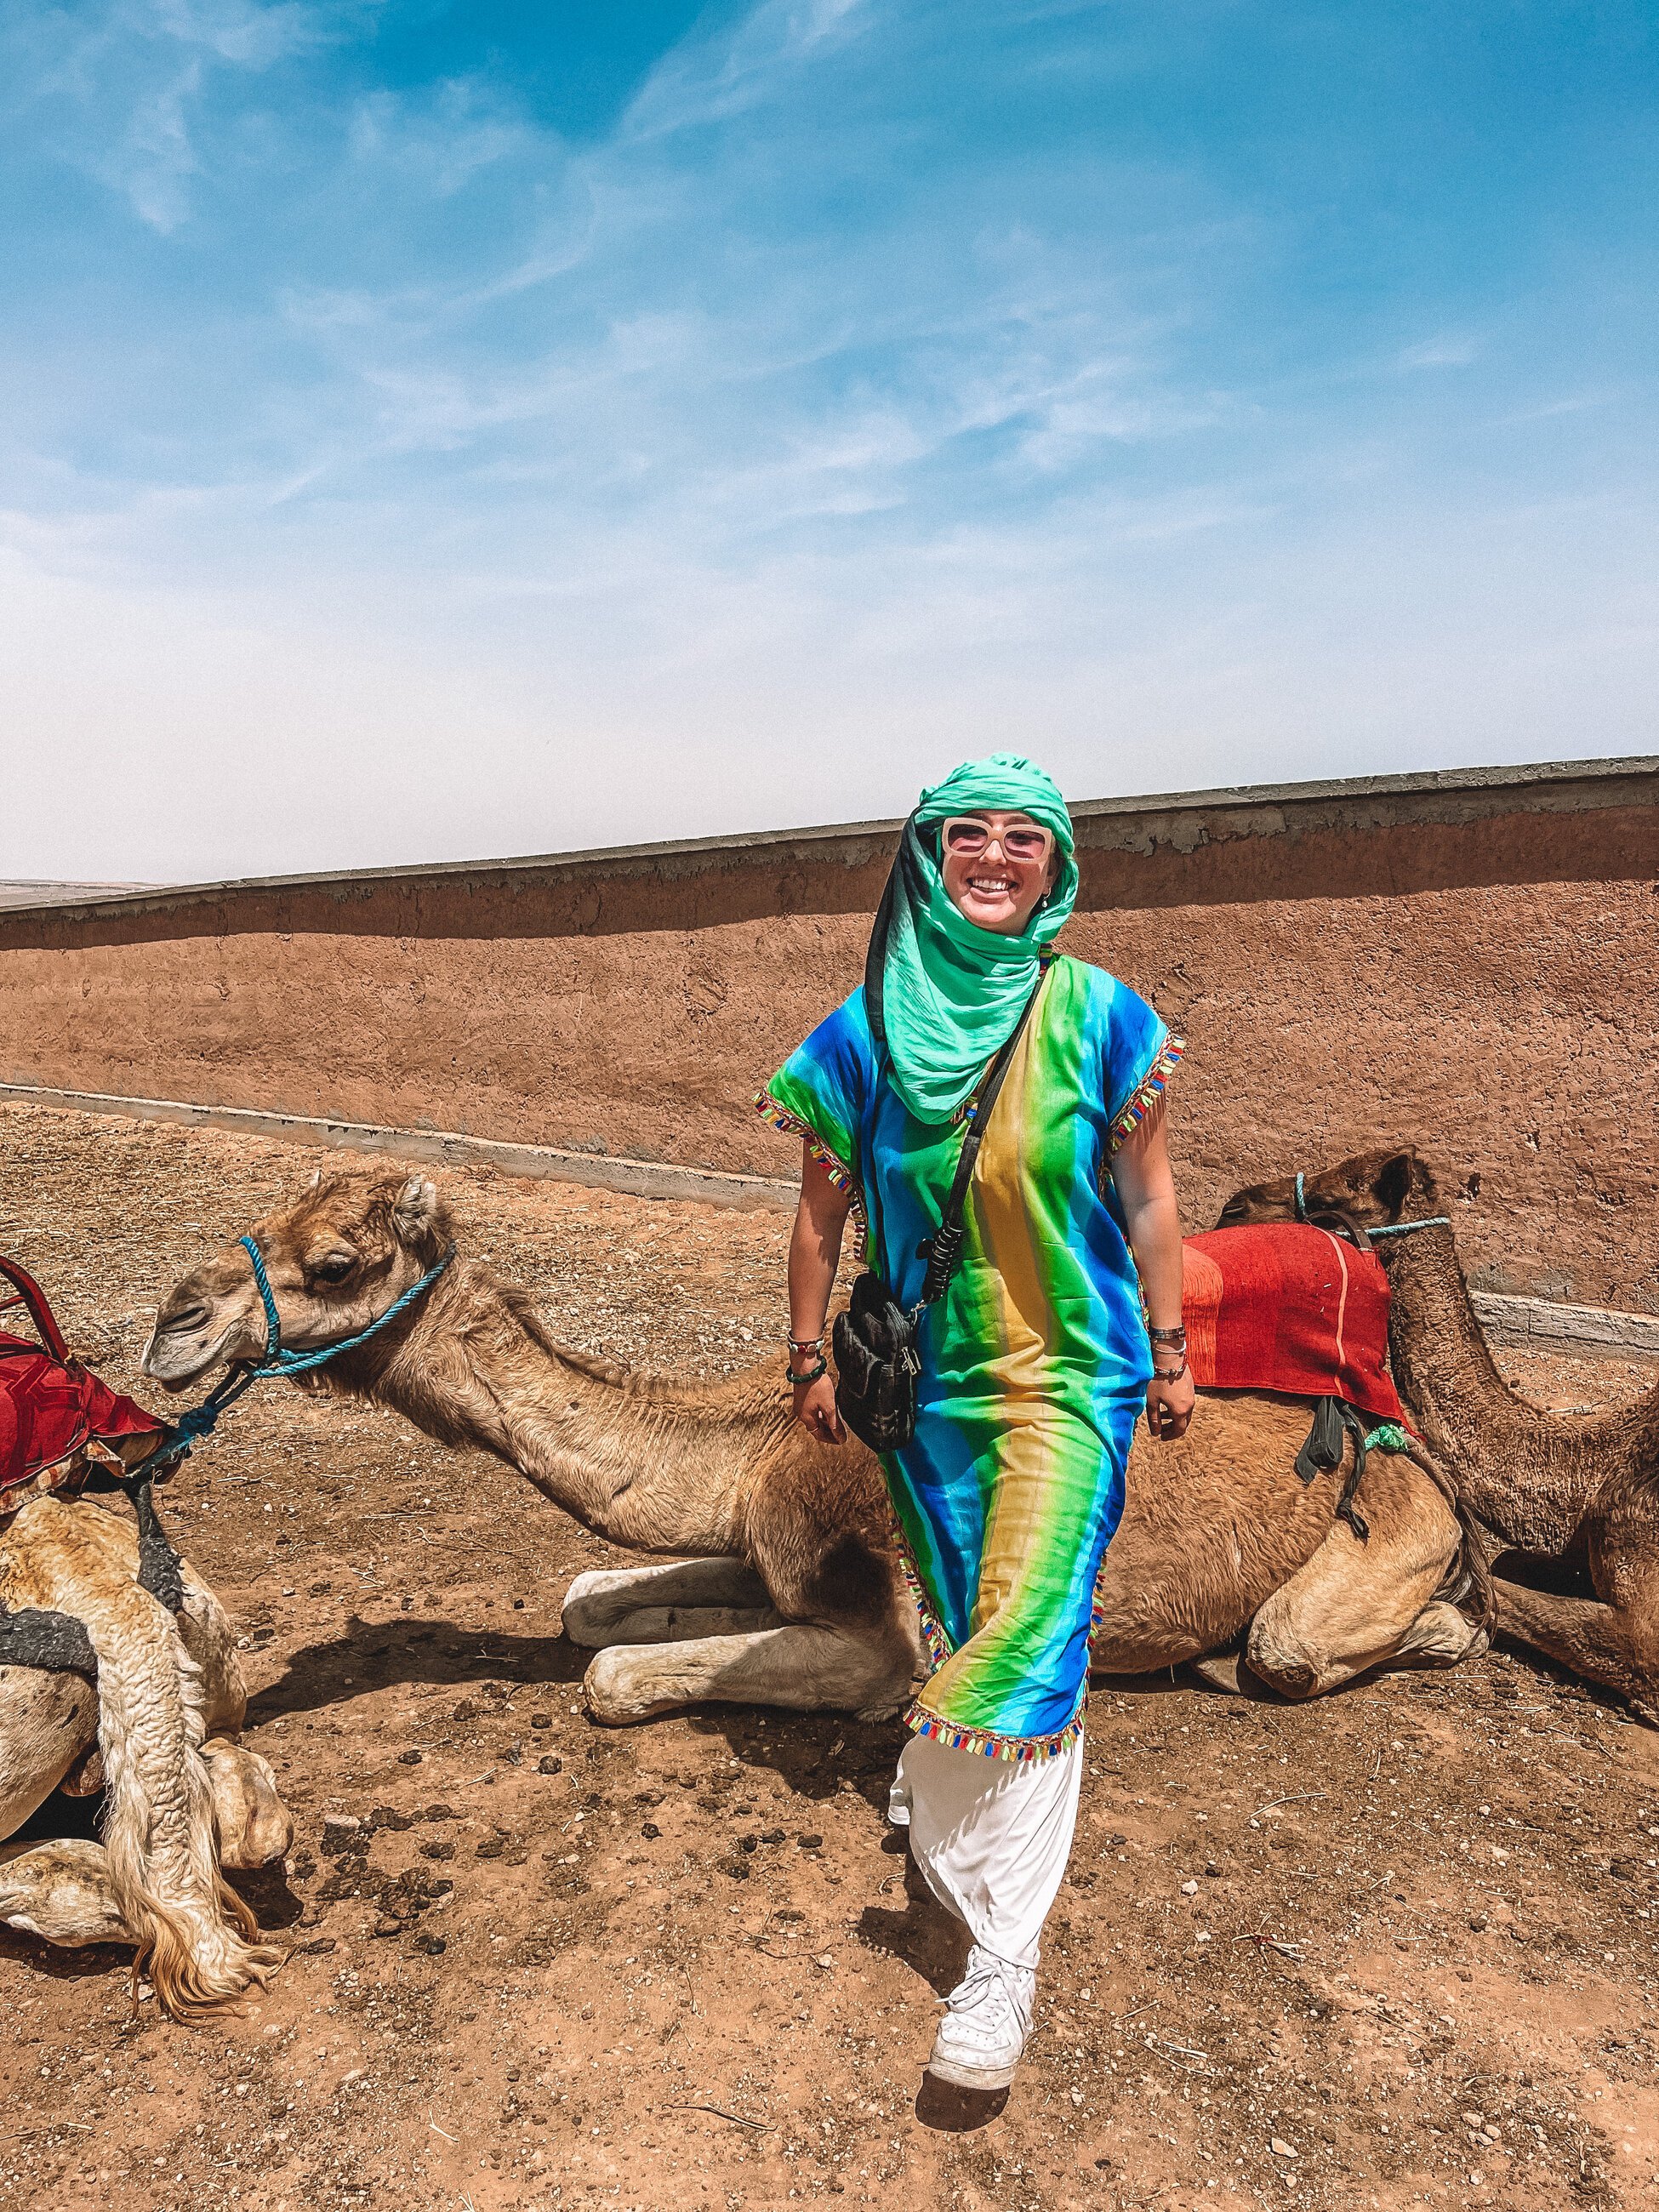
(642, 1462)
(1526, 1473)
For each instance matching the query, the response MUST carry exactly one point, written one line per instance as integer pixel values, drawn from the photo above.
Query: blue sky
(437, 429)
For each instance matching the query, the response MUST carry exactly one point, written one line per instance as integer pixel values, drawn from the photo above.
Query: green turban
(943, 994)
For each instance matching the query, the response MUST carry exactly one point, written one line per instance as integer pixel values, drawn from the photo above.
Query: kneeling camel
(794, 1593)
(181, 1799)
(1582, 1493)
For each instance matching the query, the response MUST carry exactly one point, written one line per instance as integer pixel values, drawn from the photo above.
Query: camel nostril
(191, 1317)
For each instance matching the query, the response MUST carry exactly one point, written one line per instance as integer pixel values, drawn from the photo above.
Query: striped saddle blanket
(1289, 1307)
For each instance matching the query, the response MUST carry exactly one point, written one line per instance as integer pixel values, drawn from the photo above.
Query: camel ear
(1392, 1183)
(417, 1206)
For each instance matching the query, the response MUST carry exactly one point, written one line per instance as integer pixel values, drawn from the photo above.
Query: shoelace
(988, 1976)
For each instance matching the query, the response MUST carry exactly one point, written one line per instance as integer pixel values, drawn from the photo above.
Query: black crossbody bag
(875, 1337)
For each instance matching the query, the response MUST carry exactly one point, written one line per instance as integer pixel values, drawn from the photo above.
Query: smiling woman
(977, 1061)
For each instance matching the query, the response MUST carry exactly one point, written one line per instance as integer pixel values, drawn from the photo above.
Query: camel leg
(1355, 1605)
(253, 1824)
(596, 1604)
(61, 1892)
(803, 1668)
(47, 1721)
(1602, 1643)
(673, 1624)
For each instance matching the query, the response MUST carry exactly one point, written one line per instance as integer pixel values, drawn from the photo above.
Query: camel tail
(1468, 1580)
(196, 1939)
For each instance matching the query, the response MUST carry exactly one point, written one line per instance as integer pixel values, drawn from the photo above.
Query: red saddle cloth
(50, 1407)
(1288, 1307)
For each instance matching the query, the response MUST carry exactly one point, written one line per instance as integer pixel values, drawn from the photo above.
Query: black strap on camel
(57, 1643)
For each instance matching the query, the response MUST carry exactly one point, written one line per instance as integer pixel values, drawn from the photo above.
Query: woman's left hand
(1169, 1405)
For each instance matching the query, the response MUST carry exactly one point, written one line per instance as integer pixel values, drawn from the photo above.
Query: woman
(1034, 1364)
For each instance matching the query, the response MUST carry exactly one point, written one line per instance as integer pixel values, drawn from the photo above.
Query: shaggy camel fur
(796, 1595)
(179, 1804)
(1583, 1492)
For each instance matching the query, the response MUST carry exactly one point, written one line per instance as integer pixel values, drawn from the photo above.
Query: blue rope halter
(1388, 1228)
(199, 1421)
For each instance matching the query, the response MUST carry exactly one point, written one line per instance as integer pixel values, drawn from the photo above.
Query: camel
(1582, 1493)
(180, 1802)
(795, 1592)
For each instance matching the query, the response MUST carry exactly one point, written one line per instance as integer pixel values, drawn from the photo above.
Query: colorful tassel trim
(984, 1744)
(1148, 1091)
(933, 1633)
(780, 1117)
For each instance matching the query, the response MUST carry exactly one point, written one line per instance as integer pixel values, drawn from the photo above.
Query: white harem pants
(991, 1836)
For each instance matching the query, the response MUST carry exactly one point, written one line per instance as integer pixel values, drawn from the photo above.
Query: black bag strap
(944, 1248)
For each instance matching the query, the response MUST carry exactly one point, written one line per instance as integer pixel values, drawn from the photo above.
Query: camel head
(1368, 1191)
(336, 1260)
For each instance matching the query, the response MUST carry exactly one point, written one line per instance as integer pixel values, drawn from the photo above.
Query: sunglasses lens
(966, 836)
(1025, 844)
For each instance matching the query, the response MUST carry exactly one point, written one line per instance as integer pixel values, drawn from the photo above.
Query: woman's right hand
(815, 1409)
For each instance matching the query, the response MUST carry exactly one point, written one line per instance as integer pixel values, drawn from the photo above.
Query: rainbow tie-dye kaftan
(1036, 1361)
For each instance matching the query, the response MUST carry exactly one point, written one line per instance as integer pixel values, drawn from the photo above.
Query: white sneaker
(981, 2037)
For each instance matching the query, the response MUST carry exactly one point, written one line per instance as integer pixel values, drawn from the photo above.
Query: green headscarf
(943, 994)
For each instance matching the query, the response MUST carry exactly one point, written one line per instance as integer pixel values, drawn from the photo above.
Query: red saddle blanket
(50, 1407)
(1288, 1307)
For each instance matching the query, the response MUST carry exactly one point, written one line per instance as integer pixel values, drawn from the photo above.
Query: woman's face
(994, 887)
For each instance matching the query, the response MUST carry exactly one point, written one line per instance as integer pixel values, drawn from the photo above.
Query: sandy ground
(1393, 1948)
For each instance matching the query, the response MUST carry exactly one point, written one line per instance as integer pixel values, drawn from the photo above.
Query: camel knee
(254, 1826)
(62, 1892)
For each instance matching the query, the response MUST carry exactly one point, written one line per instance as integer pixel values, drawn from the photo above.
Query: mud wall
(1469, 961)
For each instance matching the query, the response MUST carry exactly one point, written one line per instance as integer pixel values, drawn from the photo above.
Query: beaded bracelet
(811, 1376)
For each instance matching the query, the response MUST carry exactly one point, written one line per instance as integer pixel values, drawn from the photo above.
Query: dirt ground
(1393, 1948)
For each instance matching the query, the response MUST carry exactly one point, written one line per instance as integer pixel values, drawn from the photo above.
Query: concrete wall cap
(1177, 817)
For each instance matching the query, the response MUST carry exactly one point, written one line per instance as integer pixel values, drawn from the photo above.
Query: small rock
(512, 1755)
(1473, 2120)
(437, 1851)
(650, 1831)
(549, 1766)
(343, 1822)
(433, 1946)
(787, 1912)
(388, 1816)
(318, 1949)
(1214, 1872)
(1189, 1889)
(1479, 1922)
(465, 1710)
(387, 1925)
(409, 1759)
(1280, 2148)
(810, 1842)
(541, 1720)
(772, 1835)
(826, 1962)
(320, 1589)
(518, 1605)
(439, 1813)
(737, 1869)
(747, 1842)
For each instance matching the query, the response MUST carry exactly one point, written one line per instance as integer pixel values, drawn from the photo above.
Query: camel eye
(334, 1269)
